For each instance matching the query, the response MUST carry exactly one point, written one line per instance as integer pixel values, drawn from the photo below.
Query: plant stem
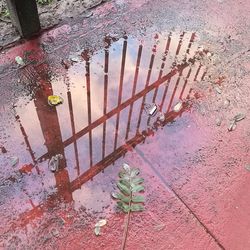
(125, 233)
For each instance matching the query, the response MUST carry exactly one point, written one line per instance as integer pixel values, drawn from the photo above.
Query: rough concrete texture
(105, 68)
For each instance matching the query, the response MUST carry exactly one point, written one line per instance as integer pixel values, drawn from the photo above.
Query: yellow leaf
(54, 100)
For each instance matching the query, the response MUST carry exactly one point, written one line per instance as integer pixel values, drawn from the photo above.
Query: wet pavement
(158, 93)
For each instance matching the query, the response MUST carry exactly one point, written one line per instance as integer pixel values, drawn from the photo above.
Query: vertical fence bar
(195, 77)
(146, 85)
(197, 72)
(124, 51)
(179, 44)
(134, 88)
(190, 70)
(190, 42)
(160, 73)
(165, 93)
(185, 83)
(163, 64)
(203, 75)
(71, 113)
(175, 88)
(87, 66)
(105, 98)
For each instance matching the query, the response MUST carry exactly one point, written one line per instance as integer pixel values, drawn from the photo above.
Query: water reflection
(103, 115)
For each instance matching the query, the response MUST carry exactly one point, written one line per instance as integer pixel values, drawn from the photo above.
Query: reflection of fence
(52, 134)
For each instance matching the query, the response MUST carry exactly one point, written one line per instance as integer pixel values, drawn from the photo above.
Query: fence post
(24, 16)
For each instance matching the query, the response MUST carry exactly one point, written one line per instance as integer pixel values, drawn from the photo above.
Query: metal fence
(172, 84)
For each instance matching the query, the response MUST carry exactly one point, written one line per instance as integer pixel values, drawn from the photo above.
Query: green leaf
(115, 195)
(134, 172)
(137, 208)
(125, 182)
(124, 207)
(137, 188)
(124, 175)
(14, 161)
(121, 197)
(136, 181)
(138, 198)
(123, 188)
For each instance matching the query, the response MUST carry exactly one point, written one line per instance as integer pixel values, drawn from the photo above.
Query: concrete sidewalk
(108, 68)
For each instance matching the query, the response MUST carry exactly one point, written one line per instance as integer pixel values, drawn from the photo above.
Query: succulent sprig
(128, 200)
(129, 186)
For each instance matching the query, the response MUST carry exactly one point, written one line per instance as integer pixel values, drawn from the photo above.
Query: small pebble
(218, 121)
(218, 90)
(226, 103)
(232, 126)
(248, 167)
(74, 59)
(161, 117)
(177, 107)
(55, 232)
(239, 117)
(3, 149)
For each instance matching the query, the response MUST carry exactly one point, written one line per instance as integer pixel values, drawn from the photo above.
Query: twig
(3, 20)
(125, 234)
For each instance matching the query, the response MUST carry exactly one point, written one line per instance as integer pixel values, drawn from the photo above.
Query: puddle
(101, 119)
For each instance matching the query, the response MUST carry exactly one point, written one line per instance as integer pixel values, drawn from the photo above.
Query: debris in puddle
(209, 54)
(66, 63)
(54, 162)
(177, 107)
(161, 117)
(247, 167)
(87, 14)
(98, 226)
(26, 169)
(220, 80)
(14, 161)
(159, 227)
(226, 103)
(54, 100)
(202, 109)
(218, 90)
(74, 59)
(232, 126)
(3, 149)
(218, 121)
(200, 48)
(19, 60)
(239, 117)
(55, 232)
(151, 109)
